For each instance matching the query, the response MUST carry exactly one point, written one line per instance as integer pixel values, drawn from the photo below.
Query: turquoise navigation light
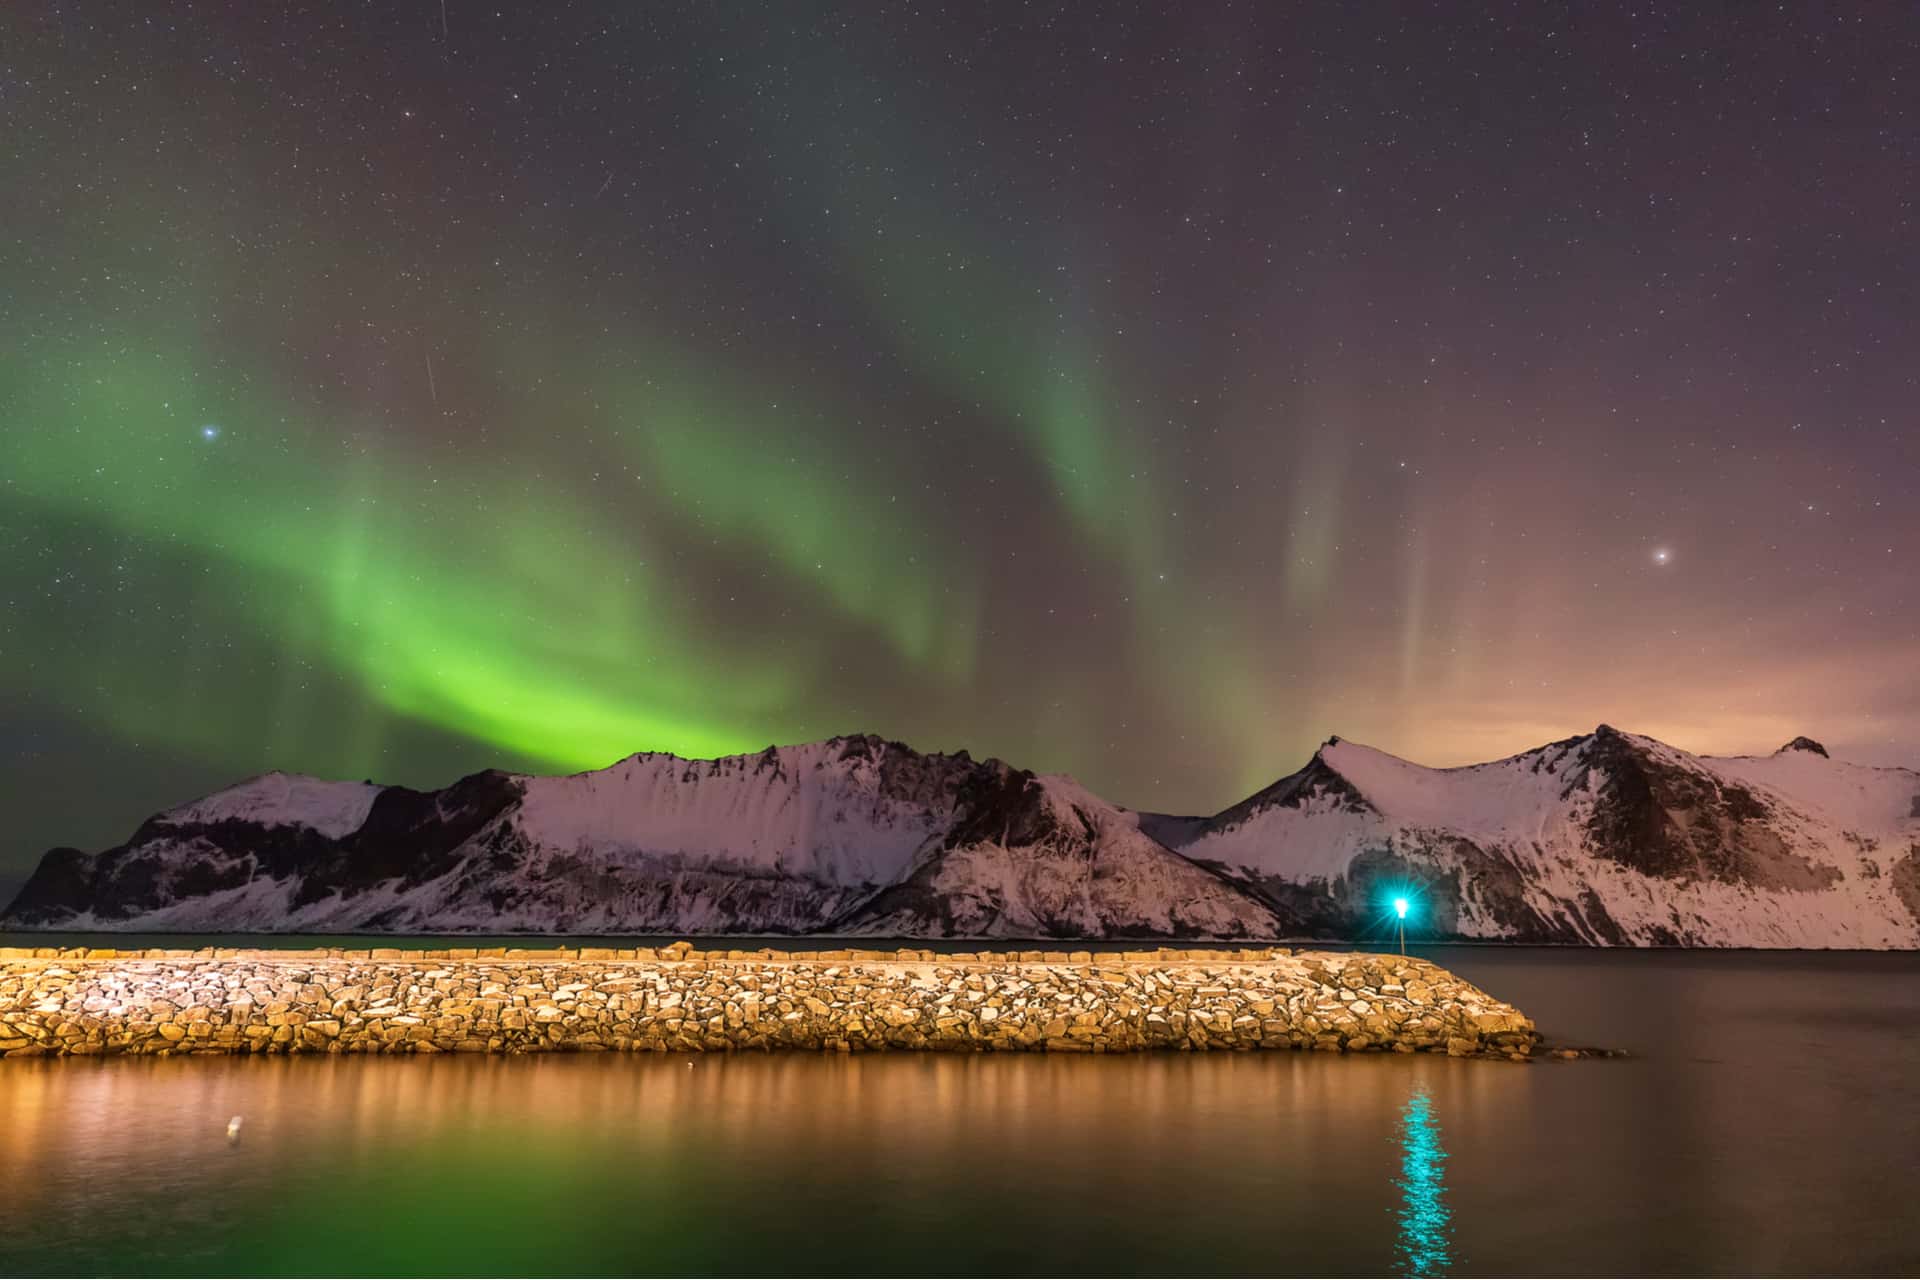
(1400, 907)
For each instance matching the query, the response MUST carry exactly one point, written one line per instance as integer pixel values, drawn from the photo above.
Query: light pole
(1400, 910)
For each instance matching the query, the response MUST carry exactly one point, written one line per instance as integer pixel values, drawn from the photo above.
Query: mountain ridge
(1605, 838)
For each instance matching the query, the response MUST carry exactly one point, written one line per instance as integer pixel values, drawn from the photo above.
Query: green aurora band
(533, 629)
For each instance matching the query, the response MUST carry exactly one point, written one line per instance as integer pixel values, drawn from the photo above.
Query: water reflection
(1426, 1224)
(613, 1164)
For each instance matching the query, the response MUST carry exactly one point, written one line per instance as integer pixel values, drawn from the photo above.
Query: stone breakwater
(677, 999)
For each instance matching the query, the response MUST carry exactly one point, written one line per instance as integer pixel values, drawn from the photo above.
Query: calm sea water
(1769, 1123)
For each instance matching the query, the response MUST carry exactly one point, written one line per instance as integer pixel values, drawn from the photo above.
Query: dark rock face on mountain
(1671, 819)
(64, 885)
(1606, 839)
(1083, 870)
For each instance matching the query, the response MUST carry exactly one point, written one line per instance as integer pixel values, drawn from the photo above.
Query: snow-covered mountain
(855, 833)
(1607, 838)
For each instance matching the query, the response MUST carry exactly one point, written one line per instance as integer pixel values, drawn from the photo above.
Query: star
(1662, 556)
(209, 432)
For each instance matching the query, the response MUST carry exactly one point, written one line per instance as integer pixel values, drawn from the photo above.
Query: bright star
(210, 432)
(1661, 555)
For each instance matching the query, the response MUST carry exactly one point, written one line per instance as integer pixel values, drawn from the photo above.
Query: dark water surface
(1770, 1123)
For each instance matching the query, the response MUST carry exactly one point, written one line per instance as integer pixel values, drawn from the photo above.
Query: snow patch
(811, 811)
(334, 809)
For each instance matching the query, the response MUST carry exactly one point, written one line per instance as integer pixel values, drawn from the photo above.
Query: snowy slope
(776, 842)
(277, 799)
(816, 811)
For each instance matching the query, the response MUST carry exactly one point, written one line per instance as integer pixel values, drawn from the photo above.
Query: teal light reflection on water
(1426, 1224)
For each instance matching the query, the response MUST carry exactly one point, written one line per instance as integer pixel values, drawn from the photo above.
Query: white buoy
(233, 1131)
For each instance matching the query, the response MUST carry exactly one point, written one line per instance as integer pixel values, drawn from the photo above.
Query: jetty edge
(676, 999)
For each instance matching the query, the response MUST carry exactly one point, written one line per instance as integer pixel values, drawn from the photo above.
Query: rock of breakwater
(59, 1002)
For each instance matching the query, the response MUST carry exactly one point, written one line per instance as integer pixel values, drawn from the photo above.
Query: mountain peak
(1609, 742)
(1803, 744)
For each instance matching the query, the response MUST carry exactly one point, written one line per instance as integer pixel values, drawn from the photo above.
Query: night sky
(1145, 392)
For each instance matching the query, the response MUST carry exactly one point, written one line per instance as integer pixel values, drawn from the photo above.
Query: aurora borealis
(1135, 391)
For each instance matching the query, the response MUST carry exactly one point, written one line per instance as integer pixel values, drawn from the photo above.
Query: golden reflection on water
(1141, 1148)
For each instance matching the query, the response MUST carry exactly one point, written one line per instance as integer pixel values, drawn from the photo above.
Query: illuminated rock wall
(680, 1000)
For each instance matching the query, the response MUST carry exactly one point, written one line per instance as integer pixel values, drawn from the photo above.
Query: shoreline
(101, 939)
(509, 1000)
